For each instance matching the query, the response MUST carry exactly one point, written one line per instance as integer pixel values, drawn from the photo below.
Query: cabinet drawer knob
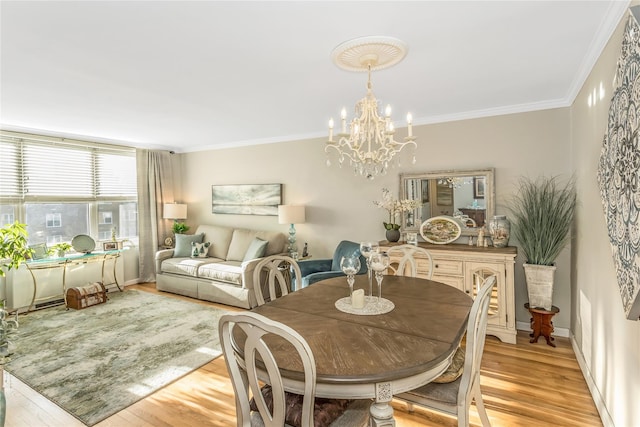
(436, 266)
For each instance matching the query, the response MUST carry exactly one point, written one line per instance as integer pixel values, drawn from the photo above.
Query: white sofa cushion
(186, 266)
(242, 238)
(240, 242)
(224, 271)
(220, 238)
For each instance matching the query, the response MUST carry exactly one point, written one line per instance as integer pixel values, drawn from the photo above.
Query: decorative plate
(83, 243)
(440, 230)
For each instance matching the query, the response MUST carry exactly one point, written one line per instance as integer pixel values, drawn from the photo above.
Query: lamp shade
(290, 214)
(174, 211)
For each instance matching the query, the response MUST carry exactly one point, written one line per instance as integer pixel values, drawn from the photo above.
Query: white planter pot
(540, 284)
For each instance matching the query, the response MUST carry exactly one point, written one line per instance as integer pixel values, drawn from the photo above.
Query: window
(7, 215)
(61, 188)
(54, 220)
(52, 240)
(106, 218)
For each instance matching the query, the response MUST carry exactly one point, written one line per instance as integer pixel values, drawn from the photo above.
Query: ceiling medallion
(369, 143)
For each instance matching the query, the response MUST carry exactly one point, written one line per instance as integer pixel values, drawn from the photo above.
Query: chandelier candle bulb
(343, 116)
(387, 111)
(330, 130)
(409, 127)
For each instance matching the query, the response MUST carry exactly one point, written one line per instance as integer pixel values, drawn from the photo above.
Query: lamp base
(293, 247)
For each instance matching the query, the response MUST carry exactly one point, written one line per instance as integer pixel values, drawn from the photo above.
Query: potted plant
(60, 249)
(180, 227)
(14, 250)
(394, 207)
(542, 215)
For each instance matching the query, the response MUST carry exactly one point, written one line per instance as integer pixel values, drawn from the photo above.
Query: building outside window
(106, 217)
(54, 220)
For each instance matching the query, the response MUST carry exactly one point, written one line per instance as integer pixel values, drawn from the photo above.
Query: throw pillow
(454, 370)
(325, 411)
(256, 249)
(183, 244)
(200, 250)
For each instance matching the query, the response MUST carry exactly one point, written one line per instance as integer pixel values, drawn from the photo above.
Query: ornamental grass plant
(542, 213)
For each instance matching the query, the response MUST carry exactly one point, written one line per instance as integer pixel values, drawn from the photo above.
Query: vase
(499, 230)
(539, 285)
(393, 235)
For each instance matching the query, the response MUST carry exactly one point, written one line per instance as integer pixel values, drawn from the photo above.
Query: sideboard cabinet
(466, 267)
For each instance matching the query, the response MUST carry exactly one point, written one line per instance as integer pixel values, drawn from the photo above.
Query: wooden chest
(86, 296)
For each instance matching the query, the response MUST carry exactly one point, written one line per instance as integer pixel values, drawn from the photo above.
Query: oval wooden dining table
(372, 356)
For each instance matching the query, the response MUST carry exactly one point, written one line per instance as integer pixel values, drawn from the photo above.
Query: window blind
(10, 170)
(56, 168)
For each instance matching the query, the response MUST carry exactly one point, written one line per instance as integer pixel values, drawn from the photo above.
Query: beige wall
(609, 343)
(562, 141)
(340, 205)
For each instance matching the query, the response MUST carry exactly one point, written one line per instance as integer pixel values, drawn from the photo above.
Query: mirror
(467, 195)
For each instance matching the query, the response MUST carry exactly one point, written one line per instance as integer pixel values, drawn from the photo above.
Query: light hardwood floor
(523, 385)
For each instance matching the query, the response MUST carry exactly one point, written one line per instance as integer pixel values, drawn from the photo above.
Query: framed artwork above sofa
(246, 199)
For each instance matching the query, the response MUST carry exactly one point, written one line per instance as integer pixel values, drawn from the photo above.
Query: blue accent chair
(319, 269)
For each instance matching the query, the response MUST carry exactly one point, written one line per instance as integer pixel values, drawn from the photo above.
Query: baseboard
(558, 332)
(605, 417)
(132, 282)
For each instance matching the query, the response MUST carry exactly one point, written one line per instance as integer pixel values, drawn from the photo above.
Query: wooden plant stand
(541, 323)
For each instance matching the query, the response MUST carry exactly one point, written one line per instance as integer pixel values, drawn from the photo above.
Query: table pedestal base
(381, 415)
(541, 323)
(381, 410)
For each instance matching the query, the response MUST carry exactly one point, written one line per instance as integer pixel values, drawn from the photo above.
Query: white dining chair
(272, 275)
(251, 363)
(454, 398)
(403, 261)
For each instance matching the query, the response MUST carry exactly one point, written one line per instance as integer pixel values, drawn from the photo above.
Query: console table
(64, 263)
(466, 267)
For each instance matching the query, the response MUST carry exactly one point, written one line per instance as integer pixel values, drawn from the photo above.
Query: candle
(343, 116)
(387, 111)
(409, 120)
(330, 130)
(357, 298)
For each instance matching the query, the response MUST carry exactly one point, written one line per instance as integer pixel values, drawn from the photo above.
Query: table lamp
(291, 214)
(174, 211)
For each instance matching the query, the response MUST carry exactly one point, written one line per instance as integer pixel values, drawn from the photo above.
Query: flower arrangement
(395, 207)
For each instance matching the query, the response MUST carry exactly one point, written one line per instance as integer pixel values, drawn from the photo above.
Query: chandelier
(369, 144)
(454, 181)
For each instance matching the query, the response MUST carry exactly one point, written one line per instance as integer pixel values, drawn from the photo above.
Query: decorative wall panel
(619, 169)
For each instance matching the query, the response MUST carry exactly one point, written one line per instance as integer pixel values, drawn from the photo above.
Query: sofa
(216, 263)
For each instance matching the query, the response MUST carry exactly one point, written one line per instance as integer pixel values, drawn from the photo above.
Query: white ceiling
(189, 76)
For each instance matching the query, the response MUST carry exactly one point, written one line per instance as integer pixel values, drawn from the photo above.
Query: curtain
(155, 188)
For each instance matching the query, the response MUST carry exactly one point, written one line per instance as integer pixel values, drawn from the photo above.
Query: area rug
(97, 361)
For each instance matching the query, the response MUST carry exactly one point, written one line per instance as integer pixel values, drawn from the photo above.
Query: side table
(541, 323)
